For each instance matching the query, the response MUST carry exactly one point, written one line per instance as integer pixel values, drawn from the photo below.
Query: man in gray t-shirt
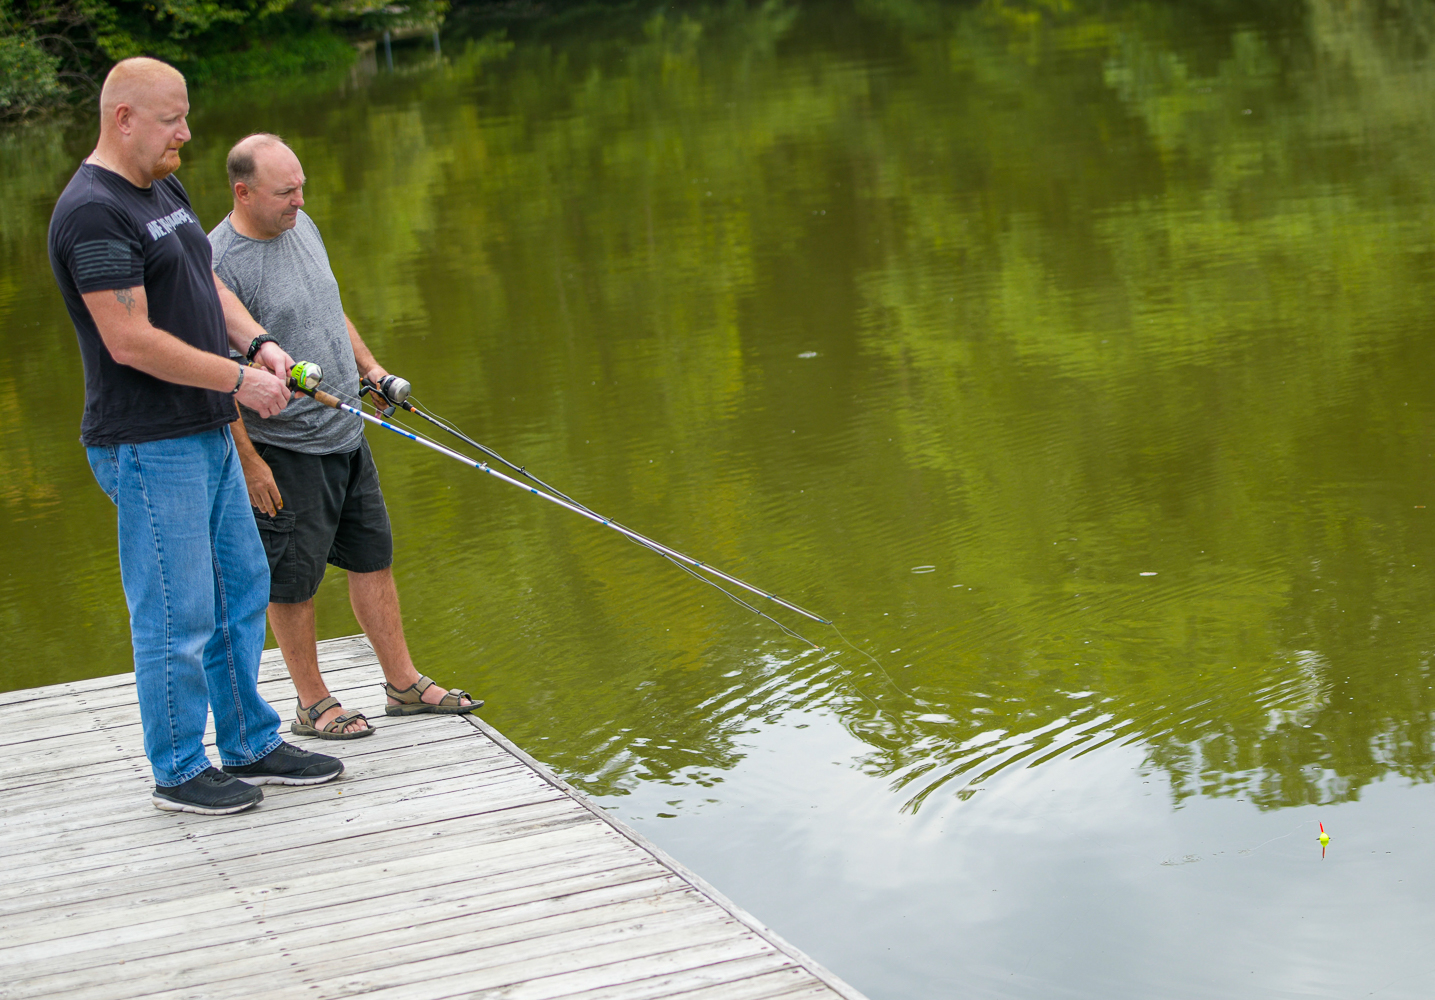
(310, 475)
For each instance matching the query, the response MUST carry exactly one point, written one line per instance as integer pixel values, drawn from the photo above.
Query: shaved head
(143, 106)
(136, 82)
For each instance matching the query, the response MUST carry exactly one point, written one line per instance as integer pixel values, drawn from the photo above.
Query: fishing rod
(305, 377)
(396, 392)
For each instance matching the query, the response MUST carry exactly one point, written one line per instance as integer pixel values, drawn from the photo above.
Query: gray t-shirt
(287, 285)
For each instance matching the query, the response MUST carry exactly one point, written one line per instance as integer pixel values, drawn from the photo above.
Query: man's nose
(183, 135)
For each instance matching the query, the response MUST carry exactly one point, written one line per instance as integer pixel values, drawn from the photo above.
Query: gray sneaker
(288, 765)
(209, 793)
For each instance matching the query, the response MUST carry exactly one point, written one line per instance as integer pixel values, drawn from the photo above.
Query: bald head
(268, 184)
(143, 107)
(138, 82)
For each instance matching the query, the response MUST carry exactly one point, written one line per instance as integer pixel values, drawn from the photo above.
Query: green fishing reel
(305, 376)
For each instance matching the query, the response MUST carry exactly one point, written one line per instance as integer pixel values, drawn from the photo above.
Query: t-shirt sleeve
(313, 229)
(221, 242)
(179, 192)
(100, 249)
(224, 267)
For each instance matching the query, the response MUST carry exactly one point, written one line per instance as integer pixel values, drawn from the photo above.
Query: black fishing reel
(391, 389)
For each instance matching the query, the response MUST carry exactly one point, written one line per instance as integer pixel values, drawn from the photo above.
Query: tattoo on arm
(126, 299)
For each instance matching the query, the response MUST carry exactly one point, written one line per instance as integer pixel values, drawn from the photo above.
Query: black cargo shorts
(333, 513)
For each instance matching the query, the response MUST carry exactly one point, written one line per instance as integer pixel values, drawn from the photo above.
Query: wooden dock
(444, 863)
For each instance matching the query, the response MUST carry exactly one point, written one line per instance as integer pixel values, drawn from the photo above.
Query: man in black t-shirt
(155, 327)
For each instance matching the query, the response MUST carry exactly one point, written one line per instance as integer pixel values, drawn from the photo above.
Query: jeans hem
(278, 742)
(189, 775)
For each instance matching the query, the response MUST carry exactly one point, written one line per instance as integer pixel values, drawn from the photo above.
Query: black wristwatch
(254, 344)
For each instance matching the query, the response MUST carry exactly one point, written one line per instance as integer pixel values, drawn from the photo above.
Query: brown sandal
(335, 729)
(410, 700)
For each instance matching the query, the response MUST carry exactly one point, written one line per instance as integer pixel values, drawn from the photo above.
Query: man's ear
(241, 192)
(124, 116)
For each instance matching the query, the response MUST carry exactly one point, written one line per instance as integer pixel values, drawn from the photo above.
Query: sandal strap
(341, 722)
(411, 695)
(459, 697)
(318, 708)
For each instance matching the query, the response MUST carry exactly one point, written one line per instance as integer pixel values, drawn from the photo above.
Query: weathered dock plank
(445, 863)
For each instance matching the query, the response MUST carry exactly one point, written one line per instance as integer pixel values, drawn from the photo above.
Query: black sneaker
(288, 765)
(210, 793)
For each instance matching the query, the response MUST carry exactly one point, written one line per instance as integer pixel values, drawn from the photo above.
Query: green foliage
(286, 55)
(54, 50)
(28, 74)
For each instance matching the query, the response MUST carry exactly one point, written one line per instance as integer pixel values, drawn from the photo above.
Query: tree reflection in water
(1046, 295)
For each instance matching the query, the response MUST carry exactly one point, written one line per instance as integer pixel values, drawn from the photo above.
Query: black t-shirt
(106, 234)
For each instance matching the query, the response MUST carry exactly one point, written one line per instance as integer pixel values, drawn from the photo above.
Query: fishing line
(439, 421)
(910, 697)
(357, 401)
(1252, 850)
(305, 377)
(401, 389)
(522, 470)
(843, 679)
(734, 598)
(397, 392)
(410, 404)
(401, 398)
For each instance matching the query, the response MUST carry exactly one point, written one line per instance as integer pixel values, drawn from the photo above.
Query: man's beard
(167, 165)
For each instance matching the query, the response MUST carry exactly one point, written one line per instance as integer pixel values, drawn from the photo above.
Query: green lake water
(1074, 357)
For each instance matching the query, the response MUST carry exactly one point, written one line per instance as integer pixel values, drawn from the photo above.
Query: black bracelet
(238, 382)
(254, 345)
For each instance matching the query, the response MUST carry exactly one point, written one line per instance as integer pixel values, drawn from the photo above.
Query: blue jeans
(197, 583)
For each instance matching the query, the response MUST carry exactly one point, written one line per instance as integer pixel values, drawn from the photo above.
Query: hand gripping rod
(307, 384)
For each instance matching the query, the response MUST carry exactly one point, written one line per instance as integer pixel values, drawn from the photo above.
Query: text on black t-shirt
(105, 234)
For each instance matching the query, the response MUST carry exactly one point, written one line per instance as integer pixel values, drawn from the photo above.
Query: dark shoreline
(52, 58)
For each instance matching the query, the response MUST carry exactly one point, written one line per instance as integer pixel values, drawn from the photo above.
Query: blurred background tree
(54, 52)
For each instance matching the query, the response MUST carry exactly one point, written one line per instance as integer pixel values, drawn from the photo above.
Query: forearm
(258, 477)
(242, 443)
(122, 318)
(163, 355)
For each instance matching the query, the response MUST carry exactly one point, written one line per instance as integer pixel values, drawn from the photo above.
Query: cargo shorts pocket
(277, 534)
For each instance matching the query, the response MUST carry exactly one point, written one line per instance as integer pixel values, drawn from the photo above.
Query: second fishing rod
(306, 376)
(396, 393)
